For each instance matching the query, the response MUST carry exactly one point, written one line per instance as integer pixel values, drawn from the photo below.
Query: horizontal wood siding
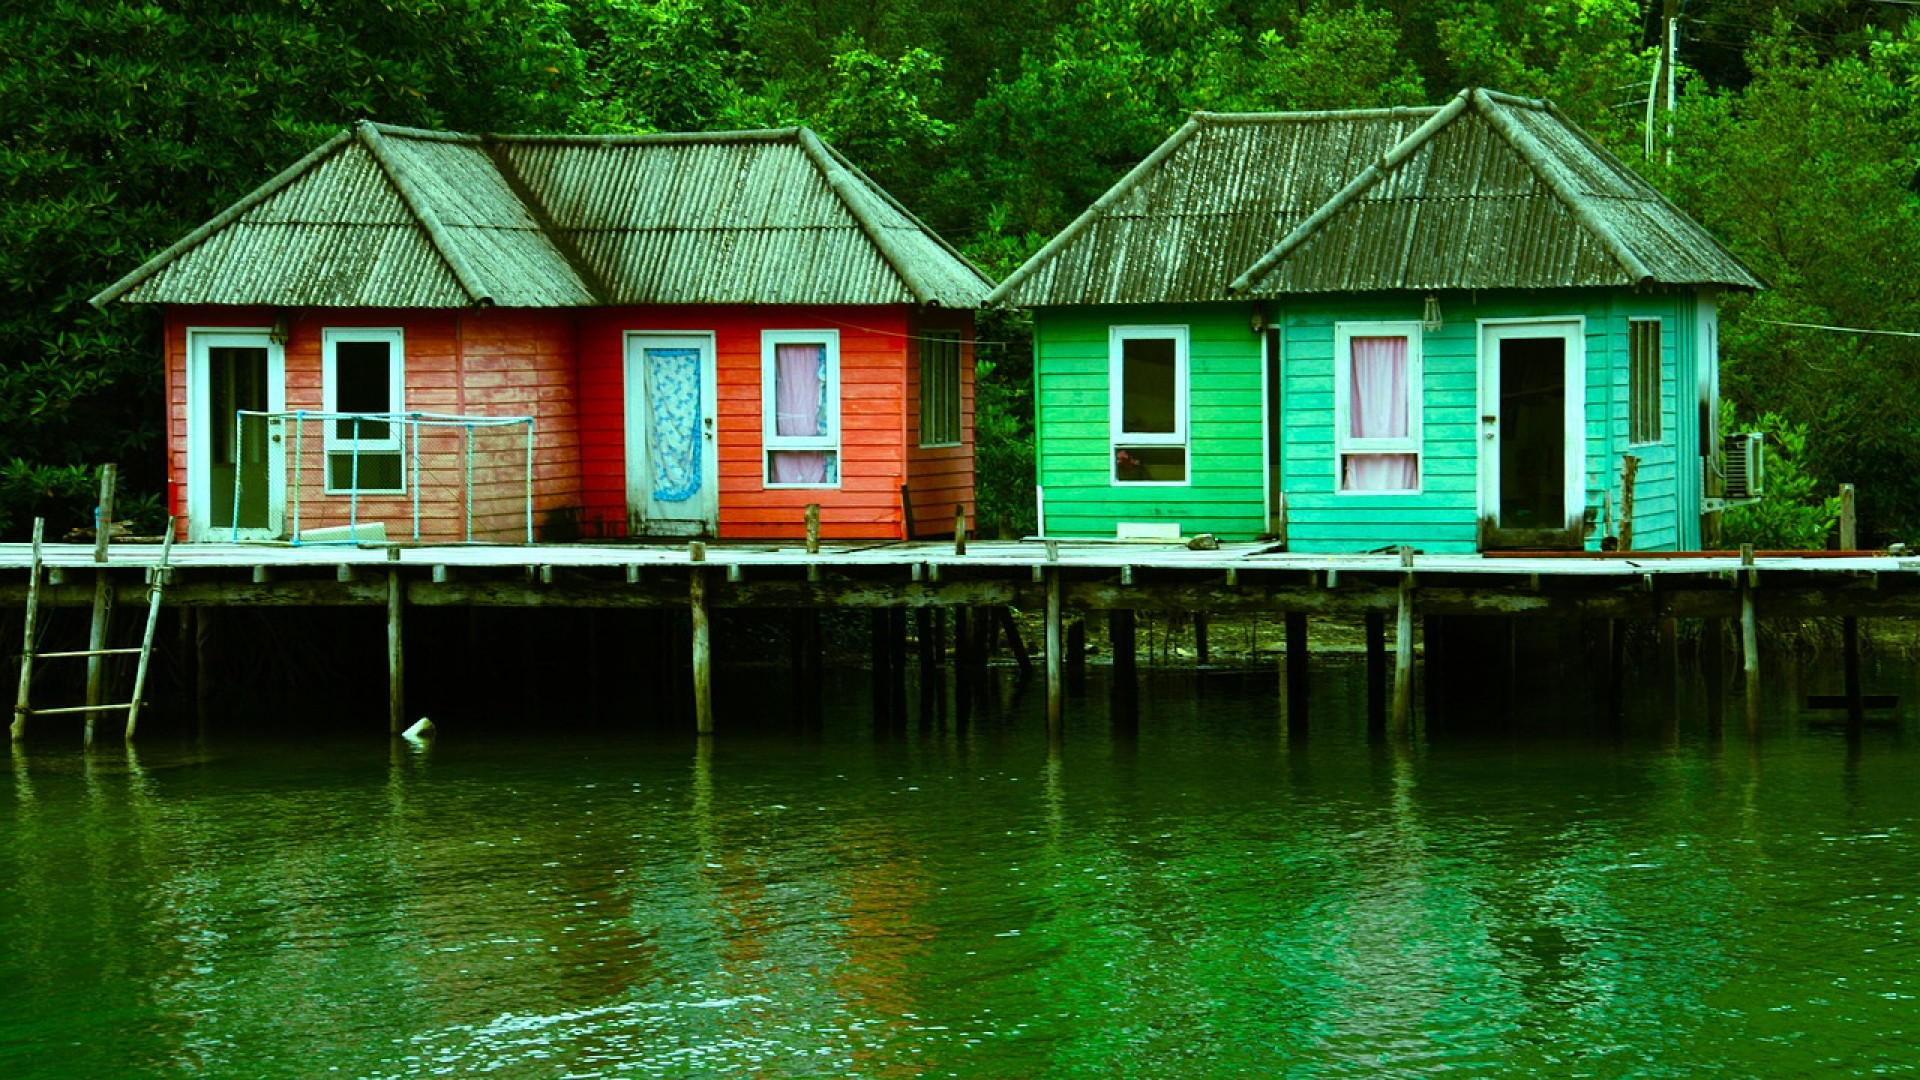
(940, 477)
(1224, 494)
(493, 362)
(873, 365)
(1442, 516)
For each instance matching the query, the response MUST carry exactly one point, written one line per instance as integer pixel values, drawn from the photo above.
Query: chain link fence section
(357, 478)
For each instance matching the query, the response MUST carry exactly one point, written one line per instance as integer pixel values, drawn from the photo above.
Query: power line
(1843, 329)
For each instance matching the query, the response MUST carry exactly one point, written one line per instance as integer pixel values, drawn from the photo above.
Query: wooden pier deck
(1051, 576)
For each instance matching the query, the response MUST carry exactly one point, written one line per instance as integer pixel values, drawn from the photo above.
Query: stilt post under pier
(702, 643)
(1376, 624)
(1403, 650)
(19, 727)
(1298, 679)
(1749, 638)
(1055, 682)
(1713, 671)
(1123, 640)
(396, 654)
(102, 596)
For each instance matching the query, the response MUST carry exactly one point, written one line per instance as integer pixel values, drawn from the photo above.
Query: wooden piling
(1849, 521)
(1003, 618)
(20, 704)
(396, 655)
(813, 528)
(1055, 683)
(962, 665)
(1713, 671)
(1403, 650)
(1376, 630)
(1749, 639)
(1298, 679)
(959, 529)
(702, 651)
(1123, 641)
(880, 659)
(102, 597)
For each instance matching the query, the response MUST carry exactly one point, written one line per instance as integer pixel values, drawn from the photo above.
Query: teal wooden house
(1460, 328)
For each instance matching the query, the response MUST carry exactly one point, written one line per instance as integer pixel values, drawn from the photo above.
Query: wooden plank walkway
(1054, 577)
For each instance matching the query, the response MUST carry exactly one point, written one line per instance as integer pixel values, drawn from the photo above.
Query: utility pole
(1664, 73)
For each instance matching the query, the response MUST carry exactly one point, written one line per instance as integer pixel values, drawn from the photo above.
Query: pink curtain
(800, 408)
(1377, 409)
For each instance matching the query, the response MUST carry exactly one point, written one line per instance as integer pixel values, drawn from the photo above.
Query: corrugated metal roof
(1488, 191)
(386, 216)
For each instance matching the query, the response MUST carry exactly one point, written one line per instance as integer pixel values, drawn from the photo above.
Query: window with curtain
(1148, 379)
(801, 395)
(1643, 380)
(1377, 406)
(363, 372)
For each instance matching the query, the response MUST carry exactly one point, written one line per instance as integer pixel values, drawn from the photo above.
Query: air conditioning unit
(1745, 465)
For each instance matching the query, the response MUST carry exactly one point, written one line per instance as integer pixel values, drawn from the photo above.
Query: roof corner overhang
(220, 221)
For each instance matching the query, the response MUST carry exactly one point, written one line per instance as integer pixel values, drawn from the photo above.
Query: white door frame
(706, 504)
(200, 339)
(1572, 329)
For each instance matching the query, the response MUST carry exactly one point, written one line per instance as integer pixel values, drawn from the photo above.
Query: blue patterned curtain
(673, 422)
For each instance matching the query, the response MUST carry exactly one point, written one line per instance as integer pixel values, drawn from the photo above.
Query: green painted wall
(1223, 495)
(1226, 495)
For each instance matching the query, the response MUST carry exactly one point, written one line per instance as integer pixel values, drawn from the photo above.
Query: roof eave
(220, 221)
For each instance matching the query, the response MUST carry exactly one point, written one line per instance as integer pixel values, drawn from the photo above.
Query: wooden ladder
(23, 708)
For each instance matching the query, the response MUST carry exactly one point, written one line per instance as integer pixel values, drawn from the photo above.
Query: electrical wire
(1841, 329)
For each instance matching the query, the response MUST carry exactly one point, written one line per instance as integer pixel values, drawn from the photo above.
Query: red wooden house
(458, 336)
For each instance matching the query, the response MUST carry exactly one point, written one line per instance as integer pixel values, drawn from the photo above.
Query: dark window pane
(363, 383)
(1147, 383)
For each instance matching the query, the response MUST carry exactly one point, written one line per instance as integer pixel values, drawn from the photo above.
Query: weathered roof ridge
(1113, 194)
(221, 220)
(900, 208)
(846, 187)
(1356, 187)
(596, 285)
(1536, 155)
(423, 212)
(1309, 116)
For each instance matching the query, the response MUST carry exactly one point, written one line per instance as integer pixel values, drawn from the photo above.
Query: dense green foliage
(131, 121)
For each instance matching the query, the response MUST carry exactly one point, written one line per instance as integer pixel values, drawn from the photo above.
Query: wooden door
(1533, 436)
(672, 472)
(236, 465)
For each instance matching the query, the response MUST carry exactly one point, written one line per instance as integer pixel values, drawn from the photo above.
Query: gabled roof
(1487, 191)
(382, 216)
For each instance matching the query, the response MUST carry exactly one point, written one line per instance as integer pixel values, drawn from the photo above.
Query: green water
(1204, 899)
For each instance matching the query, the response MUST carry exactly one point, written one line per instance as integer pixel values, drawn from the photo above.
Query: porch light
(282, 322)
(1430, 320)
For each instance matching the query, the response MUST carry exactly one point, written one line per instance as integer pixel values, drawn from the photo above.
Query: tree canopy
(1795, 138)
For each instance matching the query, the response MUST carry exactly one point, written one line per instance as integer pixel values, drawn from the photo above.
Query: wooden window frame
(770, 439)
(941, 421)
(1646, 372)
(1345, 444)
(331, 338)
(1119, 438)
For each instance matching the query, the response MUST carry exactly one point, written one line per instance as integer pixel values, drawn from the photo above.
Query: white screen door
(236, 467)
